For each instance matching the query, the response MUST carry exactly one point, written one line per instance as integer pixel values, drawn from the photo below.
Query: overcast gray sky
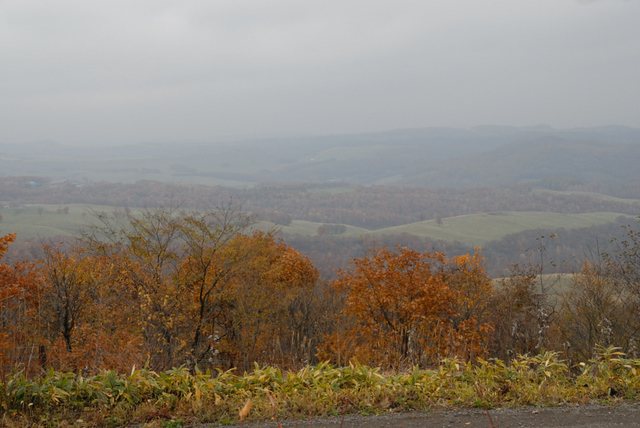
(122, 71)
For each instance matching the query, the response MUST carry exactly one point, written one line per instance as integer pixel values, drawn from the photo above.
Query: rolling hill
(45, 221)
(479, 229)
(550, 161)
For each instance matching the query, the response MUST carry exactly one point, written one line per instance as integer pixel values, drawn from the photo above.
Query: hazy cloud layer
(132, 70)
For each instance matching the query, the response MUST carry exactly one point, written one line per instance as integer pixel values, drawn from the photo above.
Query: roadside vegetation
(178, 397)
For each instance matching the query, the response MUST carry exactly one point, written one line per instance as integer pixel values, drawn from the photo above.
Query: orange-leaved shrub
(19, 302)
(403, 307)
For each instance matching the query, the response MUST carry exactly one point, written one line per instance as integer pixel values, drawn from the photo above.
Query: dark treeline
(369, 207)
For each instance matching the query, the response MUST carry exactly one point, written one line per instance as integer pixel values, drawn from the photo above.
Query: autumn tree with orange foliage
(19, 302)
(472, 325)
(68, 285)
(270, 313)
(84, 314)
(164, 287)
(405, 308)
(175, 265)
(203, 289)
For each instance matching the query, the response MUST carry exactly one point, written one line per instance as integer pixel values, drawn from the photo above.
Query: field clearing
(333, 190)
(310, 228)
(593, 195)
(555, 285)
(478, 229)
(345, 153)
(43, 221)
(474, 229)
(172, 178)
(32, 221)
(558, 283)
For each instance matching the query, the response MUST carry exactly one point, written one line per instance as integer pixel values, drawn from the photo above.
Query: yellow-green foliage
(321, 390)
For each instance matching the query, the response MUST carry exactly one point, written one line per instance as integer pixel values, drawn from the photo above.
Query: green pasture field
(305, 228)
(554, 284)
(478, 229)
(350, 152)
(559, 283)
(475, 229)
(34, 221)
(170, 177)
(333, 190)
(44, 221)
(593, 195)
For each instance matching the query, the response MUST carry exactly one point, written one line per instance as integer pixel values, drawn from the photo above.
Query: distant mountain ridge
(575, 162)
(600, 159)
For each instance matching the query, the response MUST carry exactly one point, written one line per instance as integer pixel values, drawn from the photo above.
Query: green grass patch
(555, 285)
(43, 221)
(306, 228)
(333, 190)
(592, 195)
(478, 229)
(474, 229)
(47, 220)
(350, 153)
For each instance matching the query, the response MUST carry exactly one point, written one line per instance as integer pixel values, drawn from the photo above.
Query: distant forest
(369, 207)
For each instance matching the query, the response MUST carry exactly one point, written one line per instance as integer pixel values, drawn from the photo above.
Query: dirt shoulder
(585, 416)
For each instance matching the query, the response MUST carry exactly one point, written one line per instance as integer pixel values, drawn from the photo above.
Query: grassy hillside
(552, 162)
(306, 228)
(33, 221)
(591, 195)
(478, 229)
(45, 220)
(475, 229)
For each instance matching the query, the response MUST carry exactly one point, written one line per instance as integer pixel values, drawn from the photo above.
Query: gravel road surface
(589, 416)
